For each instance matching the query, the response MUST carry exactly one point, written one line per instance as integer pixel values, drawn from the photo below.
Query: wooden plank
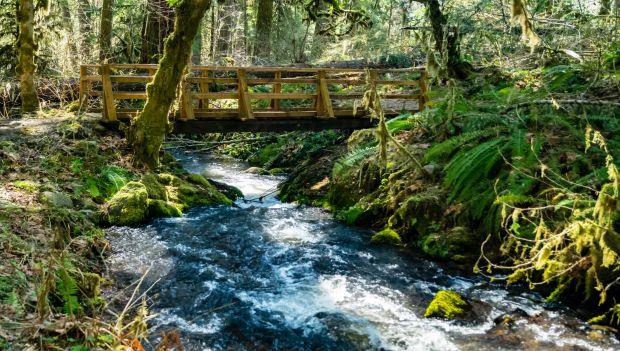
(96, 78)
(131, 79)
(187, 108)
(216, 96)
(245, 107)
(326, 102)
(82, 97)
(129, 95)
(397, 82)
(277, 89)
(282, 96)
(204, 88)
(135, 65)
(205, 79)
(108, 95)
(423, 89)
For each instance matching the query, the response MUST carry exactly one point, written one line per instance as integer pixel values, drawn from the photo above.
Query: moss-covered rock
(129, 205)
(457, 244)
(154, 188)
(257, 170)
(162, 208)
(386, 237)
(277, 171)
(447, 304)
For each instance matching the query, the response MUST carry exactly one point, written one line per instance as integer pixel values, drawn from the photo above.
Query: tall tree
(157, 26)
(147, 133)
(226, 19)
(105, 33)
(83, 7)
(25, 56)
(447, 40)
(264, 19)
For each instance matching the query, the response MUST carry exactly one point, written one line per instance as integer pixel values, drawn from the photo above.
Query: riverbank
(63, 178)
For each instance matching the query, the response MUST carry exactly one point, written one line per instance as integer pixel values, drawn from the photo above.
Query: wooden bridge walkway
(228, 99)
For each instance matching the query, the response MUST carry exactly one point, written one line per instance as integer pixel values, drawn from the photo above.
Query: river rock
(57, 199)
(129, 205)
(387, 237)
(230, 191)
(449, 305)
(257, 170)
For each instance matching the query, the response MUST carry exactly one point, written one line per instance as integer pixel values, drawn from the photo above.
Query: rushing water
(273, 276)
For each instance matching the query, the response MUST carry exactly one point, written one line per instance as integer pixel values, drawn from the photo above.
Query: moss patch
(447, 304)
(161, 208)
(129, 205)
(386, 236)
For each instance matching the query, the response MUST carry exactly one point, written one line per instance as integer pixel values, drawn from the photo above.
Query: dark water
(272, 276)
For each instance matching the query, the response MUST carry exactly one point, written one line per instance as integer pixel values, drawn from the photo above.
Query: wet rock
(448, 304)
(276, 171)
(161, 208)
(386, 236)
(230, 191)
(57, 199)
(129, 205)
(257, 170)
(432, 168)
(154, 188)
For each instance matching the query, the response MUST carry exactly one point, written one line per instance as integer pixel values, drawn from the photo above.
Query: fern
(351, 159)
(468, 173)
(402, 122)
(67, 289)
(445, 149)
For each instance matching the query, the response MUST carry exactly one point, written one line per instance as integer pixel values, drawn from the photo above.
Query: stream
(274, 276)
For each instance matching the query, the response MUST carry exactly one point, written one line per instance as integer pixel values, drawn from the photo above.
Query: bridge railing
(213, 92)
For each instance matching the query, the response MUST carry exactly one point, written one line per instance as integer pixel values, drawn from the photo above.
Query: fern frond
(351, 159)
(445, 149)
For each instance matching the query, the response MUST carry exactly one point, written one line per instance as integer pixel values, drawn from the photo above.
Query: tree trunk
(226, 21)
(197, 47)
(320, 38)
(263, 28)
(25, 56)
(105, 34)
(83, 6)
(157, 26)
(149, 128)
(446, 41)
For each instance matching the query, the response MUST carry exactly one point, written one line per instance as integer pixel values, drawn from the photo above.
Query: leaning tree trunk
(25, 56)
(149, 128)
(446, 41)
(263, 28)
(105, 33)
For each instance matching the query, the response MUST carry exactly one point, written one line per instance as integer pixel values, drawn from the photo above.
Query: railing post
(109, 108)
(204, 88)
(277, 89)
(422, 98)
(82, 95)
(244, 105)
(324, 102)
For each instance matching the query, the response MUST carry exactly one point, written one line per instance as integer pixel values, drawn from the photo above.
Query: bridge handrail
(202, 77)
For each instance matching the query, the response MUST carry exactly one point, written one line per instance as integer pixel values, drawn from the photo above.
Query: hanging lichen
(520, 15)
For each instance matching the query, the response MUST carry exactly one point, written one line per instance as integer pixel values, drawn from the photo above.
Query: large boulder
(129, 205)
(57, 199)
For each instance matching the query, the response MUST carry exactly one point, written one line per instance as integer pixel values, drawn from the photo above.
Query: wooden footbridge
(229, 99)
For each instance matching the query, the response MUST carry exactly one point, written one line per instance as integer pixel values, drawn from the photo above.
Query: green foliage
(447, 304)
(67, 288)
(353, 158)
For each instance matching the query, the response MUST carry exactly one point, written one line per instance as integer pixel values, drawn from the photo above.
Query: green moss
(350, 215)
(90, 284)
(200, 180)
(161, 208)
(457, 244)
(276, 171)
(166, 178)
(447, 304)
(26, 185)
(129, 205)
(386, 236)
(154, 188)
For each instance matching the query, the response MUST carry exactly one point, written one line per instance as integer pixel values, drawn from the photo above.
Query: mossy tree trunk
(264, 19)
(83, 7)
(226, 19)
(149, 128)
(446, 40)
(25, 56)
(105, 32)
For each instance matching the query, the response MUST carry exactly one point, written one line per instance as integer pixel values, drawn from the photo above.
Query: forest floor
(63, 178)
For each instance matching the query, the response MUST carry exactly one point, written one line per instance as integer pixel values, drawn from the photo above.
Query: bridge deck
(223, 99)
